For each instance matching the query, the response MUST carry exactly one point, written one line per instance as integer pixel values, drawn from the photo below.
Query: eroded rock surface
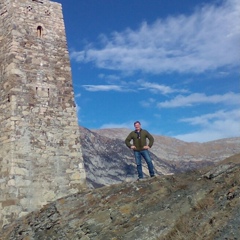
(182, 206)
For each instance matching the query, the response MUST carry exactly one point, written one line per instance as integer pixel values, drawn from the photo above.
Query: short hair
(136, 123)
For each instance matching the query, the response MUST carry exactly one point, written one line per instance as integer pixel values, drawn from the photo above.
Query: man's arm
(150, 138)
(128, 140)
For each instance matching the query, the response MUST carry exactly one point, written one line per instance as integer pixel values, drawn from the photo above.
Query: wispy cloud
(78, 56)
(158, 88)
(200, 98)
(128, 124)
(116, 125)
(109, 77)
(77, 95)
(148, 102)
(105, 88)
(205, 119)
(221, 124)
(139, 85)
(206, 40)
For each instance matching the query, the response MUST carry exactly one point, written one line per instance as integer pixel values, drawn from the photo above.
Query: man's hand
(133, 147)
(146, 147)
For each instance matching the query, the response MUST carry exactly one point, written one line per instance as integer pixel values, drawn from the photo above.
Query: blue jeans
(138, 155)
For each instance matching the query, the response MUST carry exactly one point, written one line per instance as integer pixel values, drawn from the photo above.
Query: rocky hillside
(172, 149)
(109, 161)
(200, 204)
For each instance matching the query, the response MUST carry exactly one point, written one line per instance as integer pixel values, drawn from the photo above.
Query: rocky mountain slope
(172, 149)
(199, 204)
(109, 161)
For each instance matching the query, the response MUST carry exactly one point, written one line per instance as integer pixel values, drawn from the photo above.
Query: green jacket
(139, 143)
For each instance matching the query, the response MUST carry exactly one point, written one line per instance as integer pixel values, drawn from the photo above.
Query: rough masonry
(40, 151)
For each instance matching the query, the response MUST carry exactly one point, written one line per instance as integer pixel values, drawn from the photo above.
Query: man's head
(137, 126)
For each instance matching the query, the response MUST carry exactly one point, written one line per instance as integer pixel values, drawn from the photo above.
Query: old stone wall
(40, 151)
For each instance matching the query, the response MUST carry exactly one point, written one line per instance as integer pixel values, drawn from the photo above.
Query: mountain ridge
(108, 160)
(184, 148)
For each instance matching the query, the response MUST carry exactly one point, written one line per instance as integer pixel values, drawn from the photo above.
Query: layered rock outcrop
(184, 206)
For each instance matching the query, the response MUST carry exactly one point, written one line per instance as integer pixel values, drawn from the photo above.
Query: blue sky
(173, 65)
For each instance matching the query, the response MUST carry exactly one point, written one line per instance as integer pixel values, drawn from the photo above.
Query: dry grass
(188, 227)
(232, 159)
(204, 204)
(211, 213)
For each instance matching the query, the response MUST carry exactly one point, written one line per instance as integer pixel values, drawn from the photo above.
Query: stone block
(10, 202)
(18, 171)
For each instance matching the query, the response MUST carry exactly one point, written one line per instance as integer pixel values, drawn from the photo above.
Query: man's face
(137, 126)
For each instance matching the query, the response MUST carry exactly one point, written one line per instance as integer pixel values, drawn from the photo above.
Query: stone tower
(40, 152)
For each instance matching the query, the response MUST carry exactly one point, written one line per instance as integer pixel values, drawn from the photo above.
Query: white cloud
(204, 119)
(200, 98)
(148, 102)
(206, 40)
(109, 77)
(156, 88)
(128, 124)
(105, 88)
(78, 56)
(77, 95)
(116, 125)
(218, 125)
(133, 87)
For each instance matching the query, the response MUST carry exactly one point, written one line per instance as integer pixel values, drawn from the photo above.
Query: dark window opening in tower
(9, 100)
(39, 31)
(29, 8)
(47, 12)
(38, 1)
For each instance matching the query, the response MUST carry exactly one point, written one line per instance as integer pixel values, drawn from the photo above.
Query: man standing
(140, 148)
